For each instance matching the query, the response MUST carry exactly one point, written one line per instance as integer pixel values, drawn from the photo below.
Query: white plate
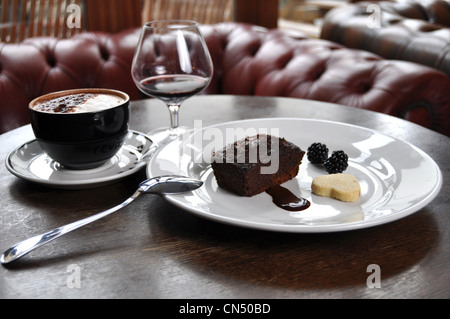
(30, 162)
(397, 179)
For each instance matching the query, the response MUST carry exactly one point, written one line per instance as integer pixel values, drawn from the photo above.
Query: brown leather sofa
(413, 30)
(248, 60)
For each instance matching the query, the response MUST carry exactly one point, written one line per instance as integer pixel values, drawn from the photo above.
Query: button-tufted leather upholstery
(248, 60)
(413, 30)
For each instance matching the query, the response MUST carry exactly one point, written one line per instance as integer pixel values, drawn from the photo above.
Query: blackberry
(317, 153)
(336, 163)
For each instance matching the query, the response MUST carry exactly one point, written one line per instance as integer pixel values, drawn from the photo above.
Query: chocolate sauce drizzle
(285, 199)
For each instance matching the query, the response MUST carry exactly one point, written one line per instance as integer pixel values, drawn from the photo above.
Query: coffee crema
(79, 103)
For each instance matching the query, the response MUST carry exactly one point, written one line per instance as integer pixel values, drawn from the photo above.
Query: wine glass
(171, 63)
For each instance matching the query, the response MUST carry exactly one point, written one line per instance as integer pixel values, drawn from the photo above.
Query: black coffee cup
(80, 139)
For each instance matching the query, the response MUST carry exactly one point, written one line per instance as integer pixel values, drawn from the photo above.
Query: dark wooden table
(152, 249)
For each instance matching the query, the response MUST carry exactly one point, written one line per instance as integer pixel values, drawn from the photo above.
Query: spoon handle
(26, 246)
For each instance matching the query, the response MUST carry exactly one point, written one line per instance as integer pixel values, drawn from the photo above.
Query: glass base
(164, 136)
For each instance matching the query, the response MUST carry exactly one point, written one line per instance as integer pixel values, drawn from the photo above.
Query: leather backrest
(248, 60)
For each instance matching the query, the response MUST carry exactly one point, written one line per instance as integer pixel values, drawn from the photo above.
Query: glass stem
(174, 110)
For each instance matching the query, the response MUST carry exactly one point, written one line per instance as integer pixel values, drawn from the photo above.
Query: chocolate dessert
(255, 164)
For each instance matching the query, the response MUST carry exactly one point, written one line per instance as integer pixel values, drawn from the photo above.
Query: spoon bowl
(160, 185)
(169, 185)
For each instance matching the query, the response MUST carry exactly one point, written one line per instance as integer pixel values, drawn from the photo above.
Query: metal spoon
(156, 185)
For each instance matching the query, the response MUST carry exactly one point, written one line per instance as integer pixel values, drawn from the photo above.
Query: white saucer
(31, 163)
(397, 179)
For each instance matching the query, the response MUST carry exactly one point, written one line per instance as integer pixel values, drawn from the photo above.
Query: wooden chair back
(21, 19)
(202, 11)
(113, 15)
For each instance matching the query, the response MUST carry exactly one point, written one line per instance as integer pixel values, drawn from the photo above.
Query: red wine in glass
(173, 88)
(171, 63)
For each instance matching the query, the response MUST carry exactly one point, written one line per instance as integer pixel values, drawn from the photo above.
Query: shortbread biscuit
(343, 187)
